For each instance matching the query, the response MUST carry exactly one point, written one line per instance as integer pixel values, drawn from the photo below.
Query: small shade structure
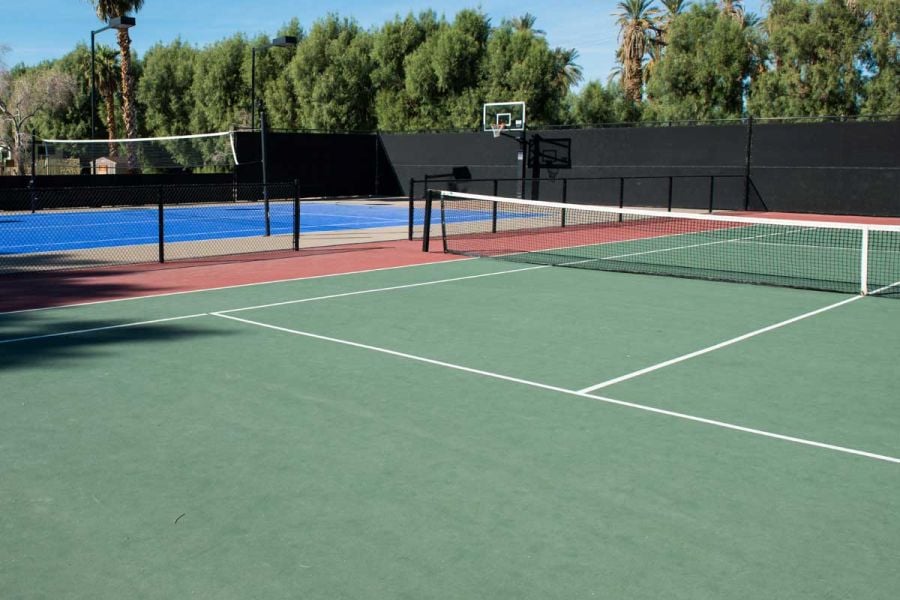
(107, 166)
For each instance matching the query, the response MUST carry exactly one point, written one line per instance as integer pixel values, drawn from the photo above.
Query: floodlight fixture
(284, 41)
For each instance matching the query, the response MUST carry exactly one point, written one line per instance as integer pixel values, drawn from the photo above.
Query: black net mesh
(804, 254)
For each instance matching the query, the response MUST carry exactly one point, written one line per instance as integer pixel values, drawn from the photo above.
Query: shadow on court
(59, 345)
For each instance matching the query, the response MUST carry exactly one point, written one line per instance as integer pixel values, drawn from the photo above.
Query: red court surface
(29, 291)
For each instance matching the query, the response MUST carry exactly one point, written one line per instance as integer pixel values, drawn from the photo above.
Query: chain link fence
(79, 227)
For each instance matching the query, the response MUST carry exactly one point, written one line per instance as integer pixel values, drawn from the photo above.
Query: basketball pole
(535, 148)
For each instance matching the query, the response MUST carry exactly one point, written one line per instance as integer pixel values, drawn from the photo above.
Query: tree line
(685, 60)
(677, 60)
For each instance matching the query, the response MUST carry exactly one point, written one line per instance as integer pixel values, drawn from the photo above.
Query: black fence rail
(671, 192)
(68, 228)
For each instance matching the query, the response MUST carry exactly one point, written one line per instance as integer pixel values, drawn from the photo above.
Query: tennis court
(55, 230)
(472, 428)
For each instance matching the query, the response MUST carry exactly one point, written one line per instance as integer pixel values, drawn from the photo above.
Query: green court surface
(470, 429)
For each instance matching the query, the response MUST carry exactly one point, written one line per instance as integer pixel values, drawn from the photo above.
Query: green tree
(597, 104)
(219, 90)
(670, 10)
(732, 9)
(331, 77)
(396, 40)
(814, 60)
(71, 119)
(443, 76)
(165, 90)
(520, 65)
(881, 57)
(703, 72)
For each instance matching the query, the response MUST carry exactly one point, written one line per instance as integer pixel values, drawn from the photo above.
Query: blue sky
(586, 25)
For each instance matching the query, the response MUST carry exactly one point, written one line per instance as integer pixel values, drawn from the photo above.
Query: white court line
(270, 305)
(374, 290)
(96, 329)
(714, 347)
(726, 343)
(232, 287)
(534, 384)
(677, 248)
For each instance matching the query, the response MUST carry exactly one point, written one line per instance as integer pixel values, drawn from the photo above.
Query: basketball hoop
(497, 128)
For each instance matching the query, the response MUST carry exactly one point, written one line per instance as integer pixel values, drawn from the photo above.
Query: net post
(864, 263)
(412, 207)
(161, 224)
(296, 224)
(712, 192)
(565, 193)
(426, 234)
(494, 210)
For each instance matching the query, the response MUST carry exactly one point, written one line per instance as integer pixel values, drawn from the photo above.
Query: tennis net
(839, 257)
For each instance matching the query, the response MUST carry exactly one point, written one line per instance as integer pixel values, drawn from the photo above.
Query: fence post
(265, 187)
(33, 154)
(162, 224)
(621, 196)
(669, 202)
(412, 206)
(296, 228)
(748, 161)
(377, 166)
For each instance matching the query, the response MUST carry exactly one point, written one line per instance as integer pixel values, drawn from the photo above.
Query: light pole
(119, 23)
(285, 41)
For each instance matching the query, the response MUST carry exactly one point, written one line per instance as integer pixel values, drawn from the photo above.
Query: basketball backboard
(511, 115)
(550, 153)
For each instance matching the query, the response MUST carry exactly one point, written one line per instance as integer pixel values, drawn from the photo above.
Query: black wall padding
(325, 164)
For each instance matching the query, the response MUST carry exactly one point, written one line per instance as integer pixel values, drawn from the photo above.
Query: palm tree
(526, 23)
(568, 72)
(671, 9)
(107, 82)
(107, 9)
(654, 55)
(636, 19)
(732, 9)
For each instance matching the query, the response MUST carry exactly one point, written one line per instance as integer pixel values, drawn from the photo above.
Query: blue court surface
(44, 231)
